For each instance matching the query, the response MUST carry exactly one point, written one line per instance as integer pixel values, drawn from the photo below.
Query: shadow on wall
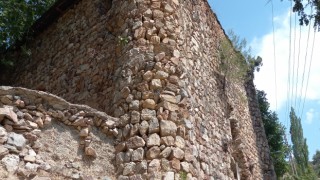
(262, 146)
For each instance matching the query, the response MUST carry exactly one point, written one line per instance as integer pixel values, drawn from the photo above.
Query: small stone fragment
(166, 152)
(8, 113)
(3, 151)
(121, 177)
(29, 158)
(169, 98)
(134, 129)
(168, 128)
(153, 140)
(134, 105)
(110, 123)
(147, 114)
(84, 132)
(157, 14)
(143, 128)
(141, 167)
(185, 166)
(6, 99)
(32, 124)
(31, 167)
(155, 84)
(176, 53)
(153, 152)
(39, 122)
(125, 92)
(16, 140)
(161, 75)
(180, 143)
(154, 166)
(169, 106)
(135, 142)
(11, 162)
(129, 168)
(169, 176)
(135, 117)
(167, 140)
(155, 40)
(124, 119)
(3, 135)
(147, 76)
(175, 164)
(178, 153)
(89, 151)
(160, 56)
(165, 164)
(154, 126)
(120, 147)
(47, 120)
(138, 154)
(149, 104)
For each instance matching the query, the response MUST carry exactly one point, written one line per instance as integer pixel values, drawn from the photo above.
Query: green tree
(16, 17)
(275, 132)
(300, 148)
(316, 163)
(302, 6)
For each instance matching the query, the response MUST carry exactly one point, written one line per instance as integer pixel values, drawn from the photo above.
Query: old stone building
(153, 65)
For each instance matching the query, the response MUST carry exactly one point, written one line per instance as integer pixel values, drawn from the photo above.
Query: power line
(304, 66)
(294, 55)
(305, 93)
(274, 58)
(289, 72)
(295, 100)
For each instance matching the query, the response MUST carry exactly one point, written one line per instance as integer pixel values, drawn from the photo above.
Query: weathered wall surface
(43, 135)
(176, 114)
(74, 58)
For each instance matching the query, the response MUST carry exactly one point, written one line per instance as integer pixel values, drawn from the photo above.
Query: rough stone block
(135, 142)
(153, 140)
(168, 128)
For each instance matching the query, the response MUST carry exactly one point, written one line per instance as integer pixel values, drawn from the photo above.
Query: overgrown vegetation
(275, 133)
(236, 59)
(122, 41)
(316, 163)
(16, 17)
(183, 175)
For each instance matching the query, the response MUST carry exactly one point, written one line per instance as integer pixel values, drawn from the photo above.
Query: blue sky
(252, 20)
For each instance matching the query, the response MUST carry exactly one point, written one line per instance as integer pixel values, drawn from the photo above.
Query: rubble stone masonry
(154, 66)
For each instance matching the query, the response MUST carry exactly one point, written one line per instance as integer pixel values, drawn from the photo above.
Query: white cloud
(265, 79)
(310, 115)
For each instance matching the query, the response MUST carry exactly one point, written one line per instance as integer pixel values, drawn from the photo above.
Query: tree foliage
(316, 163)
(275, 132)
(300, 148)
(16, 17)
(300, 7)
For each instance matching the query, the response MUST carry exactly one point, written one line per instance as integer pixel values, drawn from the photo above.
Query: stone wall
(75, 57)
(155, 66)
